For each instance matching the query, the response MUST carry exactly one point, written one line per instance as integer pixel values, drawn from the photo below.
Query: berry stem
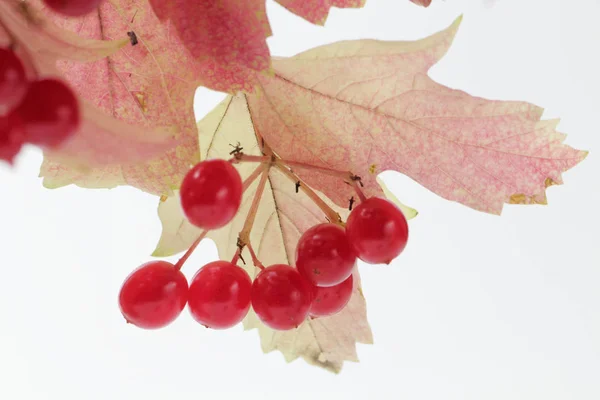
(241, 157)
(255, 259)
(330, 213)
(345, 175)
(252, 177)
(189, 251)
(245, 233)
(358, 190)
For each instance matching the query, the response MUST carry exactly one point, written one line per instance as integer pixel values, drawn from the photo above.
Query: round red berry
(50, 113)
(211, 194)
(281, 297)
(331, 300)
(154, 295)
(11, 137)
(73, 8)
(219, 295)
(13, 81)
(324, 255)
(377, 230)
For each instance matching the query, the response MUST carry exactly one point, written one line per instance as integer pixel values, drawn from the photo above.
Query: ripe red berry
(219, 295)
(211, 194)
(13, 82)
(153, 295)
(377, 230)
(11, 137)
(324, 255)
(281, 297)
(73, 8)
(331, 300)
(50, 113)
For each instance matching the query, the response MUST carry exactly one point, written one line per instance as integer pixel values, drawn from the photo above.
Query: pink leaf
(368, 106)
(316, 11)
(149, 86)
(227, 38)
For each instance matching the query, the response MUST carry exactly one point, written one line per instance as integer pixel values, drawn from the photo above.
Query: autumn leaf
(316, 11)
(227, 38)
(283, 215)
(149, 86)
(368, 106)
(101, 139)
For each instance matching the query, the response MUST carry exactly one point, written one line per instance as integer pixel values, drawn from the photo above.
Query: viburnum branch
(345, 175)
(238, 255)
(189, 251)
(330, 213)
(244, 236)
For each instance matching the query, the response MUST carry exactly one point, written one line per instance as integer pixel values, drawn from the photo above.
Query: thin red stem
(255, 259)
(359, 192)
(245, 233)
(345, 175)
(189, 251)
(252, 177)
(330, 213)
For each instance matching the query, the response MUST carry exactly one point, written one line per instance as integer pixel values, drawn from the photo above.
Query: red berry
(13, 82)
(11, 137)
(73, 8)
(219, 295)
(324, 256)
(154, 295)
(50, 113)
(331, 300)
(377, 230)
(211, 194)
(281, 297)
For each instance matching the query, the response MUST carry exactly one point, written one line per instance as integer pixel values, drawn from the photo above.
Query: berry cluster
(221, 293)
(44, 112)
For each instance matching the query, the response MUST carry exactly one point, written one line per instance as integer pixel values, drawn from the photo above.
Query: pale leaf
(282, 217)
(368, 106)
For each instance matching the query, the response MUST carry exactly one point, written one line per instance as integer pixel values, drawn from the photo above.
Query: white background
(478, 307)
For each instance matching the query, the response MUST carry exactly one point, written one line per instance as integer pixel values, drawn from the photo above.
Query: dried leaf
(282, 217)
(149, 86)
(368, 106)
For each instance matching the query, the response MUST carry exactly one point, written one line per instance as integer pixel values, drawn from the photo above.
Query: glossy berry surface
(324, 255)
(73, 8)
(211, 194)
(331, 300)
(50, 113)
(11, 137)
(13, 82)
(281, 297)
(154, 295)
(219, 295)
(377, 230)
